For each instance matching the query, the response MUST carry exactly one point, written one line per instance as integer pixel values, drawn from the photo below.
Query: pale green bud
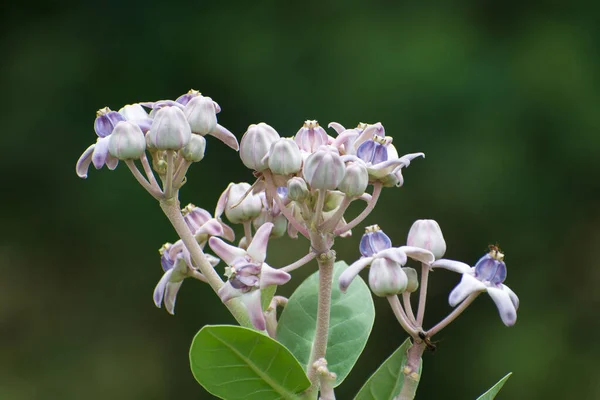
(194, 151)
(297, 189)
(355, 180)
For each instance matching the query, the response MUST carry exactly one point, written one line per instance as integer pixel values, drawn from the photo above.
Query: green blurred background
(503, 97)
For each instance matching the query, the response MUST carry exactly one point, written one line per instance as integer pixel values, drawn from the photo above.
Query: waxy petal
(258, 247)
(468, 284)
(83, 164)
(454, 266)
(159, 291)
(225, 136)
(212, 259)
(253, 304)
(419, 254)
(222, 202)
(228, 292)
(100, 152)
(506, 308)
(111, 162)
(336, 127)
(395, 254)
(407, 158)
(350, 273)
(226, 252)
(171, 296)
(513, 296)
(271, 276)
(212, 228)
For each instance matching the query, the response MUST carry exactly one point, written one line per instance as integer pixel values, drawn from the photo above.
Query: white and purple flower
(487, 275)
(248, 273)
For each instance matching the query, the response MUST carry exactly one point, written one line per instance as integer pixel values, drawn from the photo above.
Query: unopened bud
(127, 141)
(386, 277)
(255, 145)
(297, 189)
(355, 180)
(426, 234)
(284, 157)
(413, 279)
(324, 169)
(201, 114)
(279, 223)
(194, 151)
(170, 130)
(239, 204)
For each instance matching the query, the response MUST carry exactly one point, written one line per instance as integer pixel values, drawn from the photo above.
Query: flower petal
(226, 252)
(83, 164)
(451, 265)
(212, 259)
(254, 306)
(336, 127)
(395, 254)
(100, 152)
(228, 292)
(222, 202)
(350, 273)
(258, 247)
(506, 308)
(407, 158)
(468, 284)
(112, 162)
(271, 276)
(226, 137)
(513, 296)
(227, 231)
(159, 290)
(419, 254)
(171, 296)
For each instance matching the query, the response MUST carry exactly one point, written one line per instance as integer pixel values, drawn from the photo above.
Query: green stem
(412, 371)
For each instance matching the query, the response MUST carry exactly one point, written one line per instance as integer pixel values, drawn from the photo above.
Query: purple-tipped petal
(513, 296)
(336, 127)
(111, 162)
(228, 292)
(488, 269)
(100, 152)
(350, 273)
(212, 228)
(212, 259)
(228, 233)
(159, 290)
(395, 254)
(171, 295)
(454, 266)
(419, 254)
(506, 308)
(226, 252)
(217, 107)
(83, 164)
(222, 202)
(372, 243)
(105, 123)
(226, 137)
(468, 284)
(254, 307)
(271, 276)
(258, 247)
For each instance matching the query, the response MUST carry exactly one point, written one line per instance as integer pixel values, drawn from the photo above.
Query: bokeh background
(503, 97)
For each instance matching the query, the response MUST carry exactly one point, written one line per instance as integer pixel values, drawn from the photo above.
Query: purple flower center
(488, 269)
(373, 242)
(372, 152)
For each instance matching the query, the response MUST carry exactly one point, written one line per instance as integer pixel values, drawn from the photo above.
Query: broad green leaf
(233, 362)
(266, 295)
(352, 317)
(387, 381)
(491, 394)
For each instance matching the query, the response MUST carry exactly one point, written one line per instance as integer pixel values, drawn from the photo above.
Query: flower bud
(127, 141)
(426, 234)
(255, 145)
(386, 277)
(324, 169)
(413, 279)
(311, 136)
(194, 151)
(239, 204)
(355, 180)
(297, 190)
(201, 114)
(333, 200)
(284, 157)
(170, 130)
(279, 224)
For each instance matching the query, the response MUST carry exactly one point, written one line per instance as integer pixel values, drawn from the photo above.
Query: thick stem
(370, 206)
(319, 348)
(452, 316)
(408, 308)
(171, 209)
(411, 371)
(423, 293)
(401, 316)
(297, 264)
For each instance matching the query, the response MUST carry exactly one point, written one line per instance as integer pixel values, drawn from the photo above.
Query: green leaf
(266, 295)
(387, 381)
(352, 317)
(233, 362)
(491, 394)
